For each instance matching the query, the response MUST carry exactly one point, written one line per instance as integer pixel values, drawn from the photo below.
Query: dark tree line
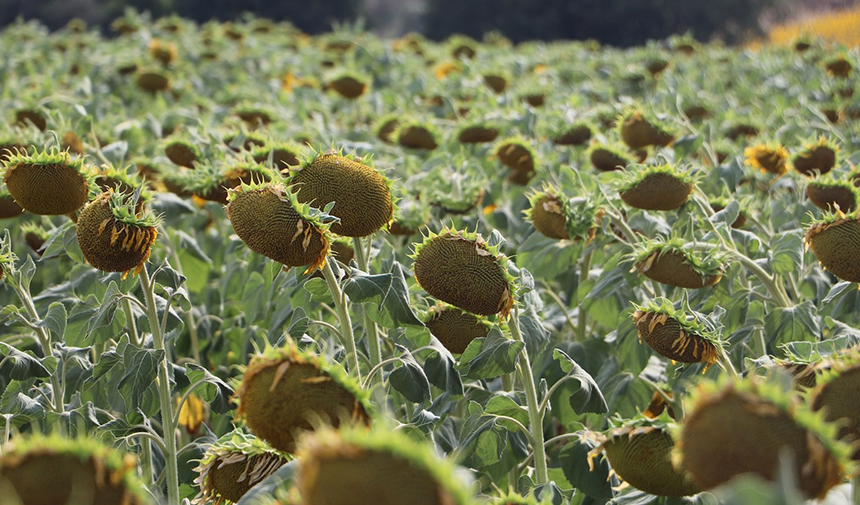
(614, 22)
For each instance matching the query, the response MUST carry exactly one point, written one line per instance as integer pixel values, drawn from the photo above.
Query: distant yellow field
(840, 26)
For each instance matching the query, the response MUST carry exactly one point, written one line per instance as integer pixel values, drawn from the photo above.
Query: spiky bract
(462, 269)
(285, 392)
(361, 195)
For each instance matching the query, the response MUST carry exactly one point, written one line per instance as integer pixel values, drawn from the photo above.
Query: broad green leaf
(409, 379)
(534, 334)
(728, 215)
(574, 462)
(441, 370)
(319, 290)
(490, 356)
(505, 406)
(254, 297)
(214, 391)
(387, 293)
(24, 364)
(482, 440)
(794, 324)
(588, 398)
(140, 370)
(786, 252)
(104, 315)
(189, 244)
(55, 320)
(837, 290)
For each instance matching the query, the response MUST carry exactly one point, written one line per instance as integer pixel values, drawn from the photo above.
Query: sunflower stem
(44, 338)
(622, 225)
(561, 305)
(581, 320)
(340, 302)
(760, 344)
(146, 460)
(163, 385)
(855, 490)
(189, 314)
(524, 367)
(363, 260)
(132, 326)
(779, 294)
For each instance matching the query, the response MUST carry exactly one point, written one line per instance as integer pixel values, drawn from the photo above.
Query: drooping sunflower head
(462, 269)
(455, 328)
(48, 182)
(673, 262)
(678, 334)
(656, 187)
(381, 466)
(640, 452)
(830, 193)
(835, 241)
(75, 466)
(609, 157)
(271, 220)
(768, 157)
(817, 157)
(285, 392)
(232, 465)
(736, 426)
(837, 394)
(361, 194)
(639, 130)
(114, 235)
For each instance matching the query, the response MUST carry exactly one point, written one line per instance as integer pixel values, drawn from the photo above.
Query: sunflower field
(244, 265)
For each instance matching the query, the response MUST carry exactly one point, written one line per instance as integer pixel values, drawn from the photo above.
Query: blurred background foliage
(614, 22)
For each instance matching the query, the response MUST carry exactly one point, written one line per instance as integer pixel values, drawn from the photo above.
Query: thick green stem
(561, 305)
(622, 225)
(855, 490)
(760, 344)
(524, 367)
(163, 385)
(581, 320)
(44, 338)
(779, 294)
(146, 460)
(189, 315)
(340, 302)
(132, 326)
(370, 326)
